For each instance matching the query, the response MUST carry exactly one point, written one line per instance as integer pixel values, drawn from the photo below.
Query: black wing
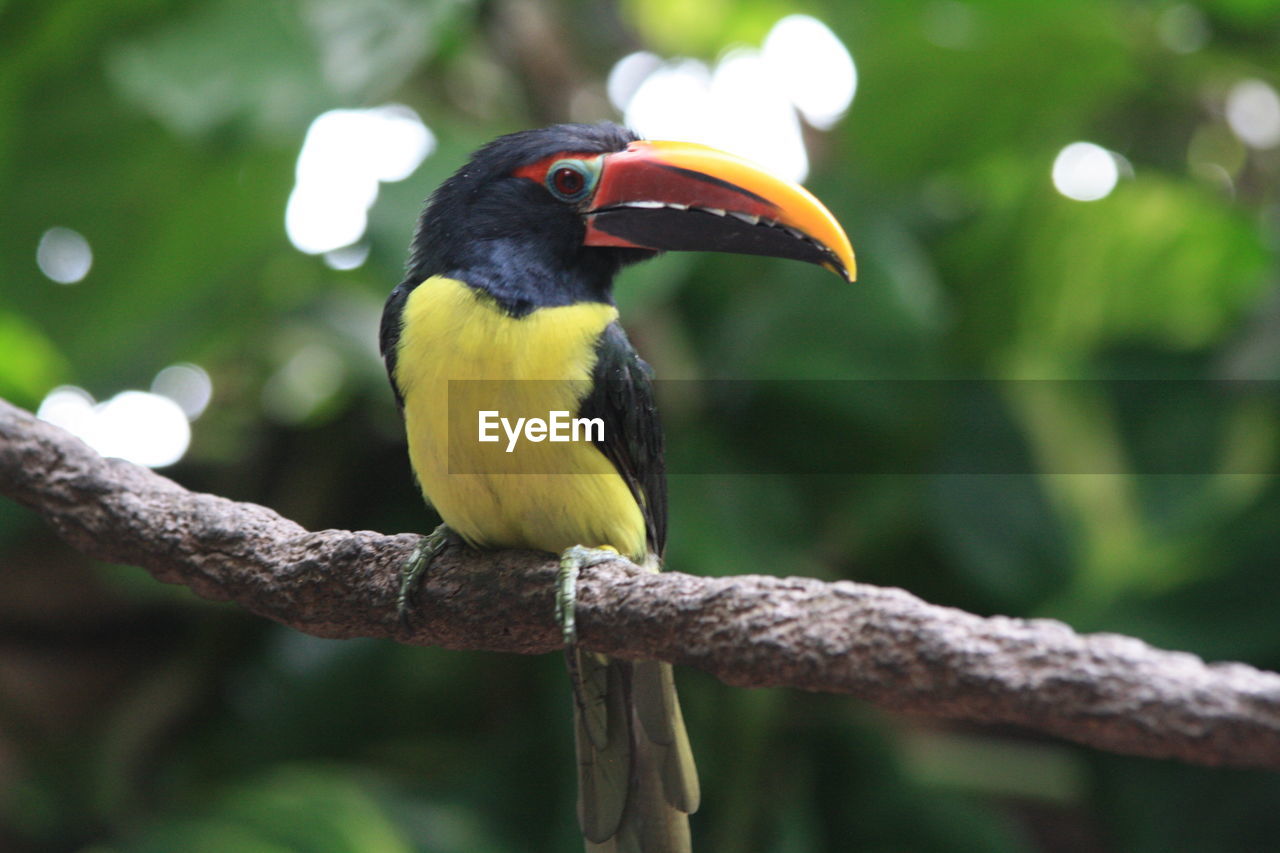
(389, 334)
(622, 396)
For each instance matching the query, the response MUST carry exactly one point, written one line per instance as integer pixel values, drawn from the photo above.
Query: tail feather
(635, 793)
(658, 709)
(602, 735)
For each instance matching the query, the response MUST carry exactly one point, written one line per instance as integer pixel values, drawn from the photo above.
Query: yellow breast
(459, 355)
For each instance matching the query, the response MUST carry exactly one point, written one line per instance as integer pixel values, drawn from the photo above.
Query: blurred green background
(148, 153)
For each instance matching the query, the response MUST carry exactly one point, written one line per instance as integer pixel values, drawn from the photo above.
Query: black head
(548, 217)
(509, 235)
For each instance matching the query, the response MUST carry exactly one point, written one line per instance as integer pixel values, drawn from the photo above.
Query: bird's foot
(428, 548)
(572, 562)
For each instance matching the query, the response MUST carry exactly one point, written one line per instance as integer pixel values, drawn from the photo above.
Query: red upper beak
(683, 196)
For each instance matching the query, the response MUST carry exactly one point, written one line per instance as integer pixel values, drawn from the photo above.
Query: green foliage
(31, 366)
(134, 718)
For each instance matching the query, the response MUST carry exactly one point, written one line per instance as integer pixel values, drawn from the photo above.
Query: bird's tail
(637, 783)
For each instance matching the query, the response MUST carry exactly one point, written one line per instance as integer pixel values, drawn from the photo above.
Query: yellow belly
(545, 495)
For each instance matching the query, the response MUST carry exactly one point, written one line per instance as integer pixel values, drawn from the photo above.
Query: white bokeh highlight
(144, 428)
(186, 384)
(1083, 171)
(1253, 112)
(750, 102)
(814, 67)
(627, 74)
(150, 428)
(345, 155)
(309, 377)
(348, 257)
(753, 117)
(64, 255)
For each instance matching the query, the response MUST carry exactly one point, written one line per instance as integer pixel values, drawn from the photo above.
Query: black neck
(522, 279)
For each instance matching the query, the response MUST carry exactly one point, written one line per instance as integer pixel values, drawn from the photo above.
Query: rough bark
(883, 645)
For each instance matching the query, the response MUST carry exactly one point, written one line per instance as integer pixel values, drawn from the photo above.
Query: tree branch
(882, 645)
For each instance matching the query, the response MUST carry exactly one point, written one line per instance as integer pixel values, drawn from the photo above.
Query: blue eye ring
(573, 181)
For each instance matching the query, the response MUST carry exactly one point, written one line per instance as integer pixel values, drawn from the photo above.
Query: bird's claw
(427, 549)
(572, 562)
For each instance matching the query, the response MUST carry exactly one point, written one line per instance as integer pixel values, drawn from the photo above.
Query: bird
(507, 308)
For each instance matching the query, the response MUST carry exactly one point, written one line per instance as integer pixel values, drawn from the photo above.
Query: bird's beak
(682, 196)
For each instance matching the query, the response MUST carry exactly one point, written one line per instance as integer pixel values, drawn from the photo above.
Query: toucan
(507, 310)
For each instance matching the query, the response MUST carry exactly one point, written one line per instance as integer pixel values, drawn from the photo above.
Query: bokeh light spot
(673, 102)
(814, 67)
(70, 408)
(321, 218)
(1085, 172)
(308, 378)
(738, 107)
(1253, 111)
(348, 257)
(186, 384)
(146, 429)
(627, 74)
(344, 156)
(755, 118)
(750, 102)
(64, 255)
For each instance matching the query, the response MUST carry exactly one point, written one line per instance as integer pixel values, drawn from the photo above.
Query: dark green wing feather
(622, 397)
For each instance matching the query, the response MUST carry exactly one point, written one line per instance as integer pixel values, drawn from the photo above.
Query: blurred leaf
(704, 28)
(1003, 767)
(30, 365)
(1157, 262)
(274, 66)
(290, 810)
(1253, 13)
(313, 809)
(226, 60)
(198, 836)
(1004, 536)
(987, 78)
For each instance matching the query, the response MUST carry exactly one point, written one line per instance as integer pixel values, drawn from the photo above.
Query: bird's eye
(573, 180)
(568, 181)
